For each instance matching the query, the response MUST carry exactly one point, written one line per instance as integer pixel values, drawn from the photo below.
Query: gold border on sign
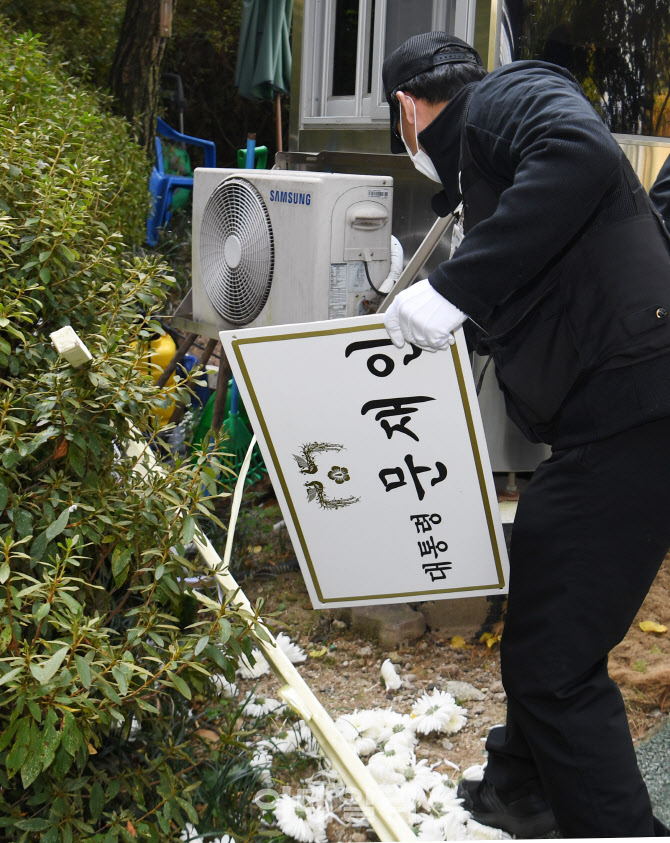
(237, 344)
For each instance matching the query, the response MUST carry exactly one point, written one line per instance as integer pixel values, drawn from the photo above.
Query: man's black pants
(591, 530)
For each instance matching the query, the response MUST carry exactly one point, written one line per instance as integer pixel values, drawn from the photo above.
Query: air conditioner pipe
(395, 270)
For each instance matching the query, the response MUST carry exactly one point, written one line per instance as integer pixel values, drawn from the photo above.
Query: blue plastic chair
(162, 185)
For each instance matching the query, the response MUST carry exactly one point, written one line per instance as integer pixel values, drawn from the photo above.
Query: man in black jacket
(563, 277)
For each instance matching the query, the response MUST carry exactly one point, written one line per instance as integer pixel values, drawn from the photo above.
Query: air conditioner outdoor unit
(273, 247)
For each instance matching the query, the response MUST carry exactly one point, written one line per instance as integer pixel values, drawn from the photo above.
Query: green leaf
(43, 611)
(47, 670)
(226, 629)
(188, 530)
(71, 736)
(57, 527)
(4, 496)
(38, 547)
(77, 461)
(23, 521)
(121, 680)
(20, 749)
(9, 458)
(179, 684)
(32, 766)
(7, 677)
(120, 564)
(34, 824)
(97, 801)
(67, 253)
(50, 740)
(8, 734)
(202, 643)
(190, 810)
(5, 638)
(84, 671)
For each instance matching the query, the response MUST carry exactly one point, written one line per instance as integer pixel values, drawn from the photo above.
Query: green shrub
(105, 651)
(84, 32)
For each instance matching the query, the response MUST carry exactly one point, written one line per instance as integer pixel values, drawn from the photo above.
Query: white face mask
(421, 160)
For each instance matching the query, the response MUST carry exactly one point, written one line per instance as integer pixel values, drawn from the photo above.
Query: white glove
(421, 316)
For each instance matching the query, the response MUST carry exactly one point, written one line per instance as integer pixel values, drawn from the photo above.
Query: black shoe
(526, 816)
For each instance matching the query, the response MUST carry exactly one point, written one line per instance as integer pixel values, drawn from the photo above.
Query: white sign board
(377, 458)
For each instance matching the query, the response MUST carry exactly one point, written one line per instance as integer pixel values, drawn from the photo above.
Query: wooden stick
(187, 342)
(221, 393)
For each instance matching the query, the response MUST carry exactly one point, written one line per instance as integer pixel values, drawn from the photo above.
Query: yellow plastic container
(161, 352)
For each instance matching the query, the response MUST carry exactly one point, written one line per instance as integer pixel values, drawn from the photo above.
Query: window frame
(318, 108)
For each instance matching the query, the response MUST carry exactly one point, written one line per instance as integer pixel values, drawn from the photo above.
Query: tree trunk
(136, 69)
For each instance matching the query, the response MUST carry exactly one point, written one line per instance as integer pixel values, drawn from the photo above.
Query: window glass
(405, 19)
(345, 47)
(619, 51)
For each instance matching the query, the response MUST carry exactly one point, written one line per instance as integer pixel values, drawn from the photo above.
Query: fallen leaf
(208, 735)
(61, 449)
(316, 654)
(457, 642)
(652, 626)
(91, 749)
(490, 639)
(130, 828)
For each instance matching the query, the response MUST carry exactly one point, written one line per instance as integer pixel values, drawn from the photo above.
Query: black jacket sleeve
(538, 134)
(660, 192)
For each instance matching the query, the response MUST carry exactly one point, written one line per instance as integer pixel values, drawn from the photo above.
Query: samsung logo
(290, 197)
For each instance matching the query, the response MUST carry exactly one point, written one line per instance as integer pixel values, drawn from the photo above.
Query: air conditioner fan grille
(236, 251)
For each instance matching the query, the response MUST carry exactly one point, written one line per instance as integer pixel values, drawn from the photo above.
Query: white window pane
(405, 19)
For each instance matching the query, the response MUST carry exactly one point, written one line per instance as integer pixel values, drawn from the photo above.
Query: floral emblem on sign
(339, 474)
(315, 488)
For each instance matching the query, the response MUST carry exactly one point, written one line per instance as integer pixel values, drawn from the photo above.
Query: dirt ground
(344, 671)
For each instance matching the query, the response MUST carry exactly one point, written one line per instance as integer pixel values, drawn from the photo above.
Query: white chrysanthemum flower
(190, 833)
(437, 713)
(413, 796)
(419, 779)
(224, 687)
(292, 651)
(261, 762)
(406, 738)
(259, 668)
(360, 730)
(455, 824)
(394, 725)
(305, 739)
(372, 723)
(474, 773)
(399, 757)
(387, 767)
(383, 772)
(389, 675)
(317, 819)
(432, 829)
(259, 706)
(285, 741)
(476, 831)
(291, 816)
(443, 798)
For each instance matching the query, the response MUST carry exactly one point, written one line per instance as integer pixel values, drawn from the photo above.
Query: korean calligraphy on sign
(377, 458)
